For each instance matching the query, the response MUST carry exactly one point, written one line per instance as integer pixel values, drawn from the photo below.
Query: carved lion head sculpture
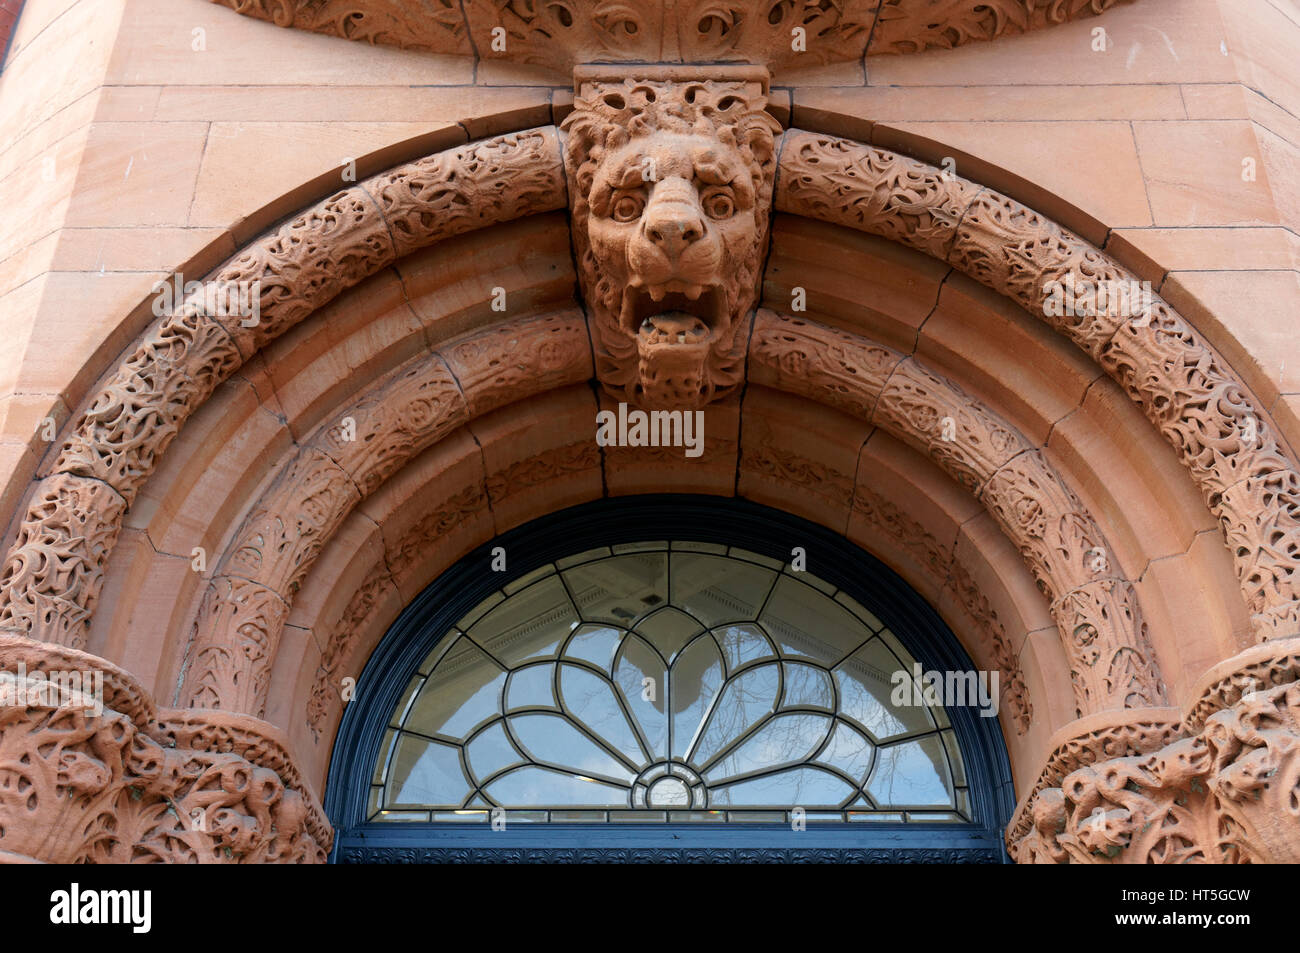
(671, 189)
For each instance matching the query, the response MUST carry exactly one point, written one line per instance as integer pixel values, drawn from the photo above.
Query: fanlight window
(659, 682)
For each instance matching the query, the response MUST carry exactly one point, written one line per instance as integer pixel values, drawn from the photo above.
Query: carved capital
(90, 776)
(1230, 794)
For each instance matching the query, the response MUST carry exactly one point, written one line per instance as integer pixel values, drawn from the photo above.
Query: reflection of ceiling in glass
(666, 682)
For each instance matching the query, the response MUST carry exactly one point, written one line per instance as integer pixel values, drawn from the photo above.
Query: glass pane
(530, 624)
(742, 644)
(668, 630)
(807, 687)
(866, 681)
(621, 589)
(784, 740)
(718, 589)
(532, 786)
(641, 676)
(911, 773)
(491, 752)
(696, 678)
(592, 701)
(463, 692)
(850, 751)
(426, 772)
(804, 622)
(798, 787)
(639, 683)
(595, 644)
(531, 687)
(551, 738)
(745, 700)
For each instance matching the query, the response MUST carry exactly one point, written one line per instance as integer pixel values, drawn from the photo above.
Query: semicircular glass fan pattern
(674, 682)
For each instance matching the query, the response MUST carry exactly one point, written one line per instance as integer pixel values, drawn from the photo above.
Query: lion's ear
(761, 144)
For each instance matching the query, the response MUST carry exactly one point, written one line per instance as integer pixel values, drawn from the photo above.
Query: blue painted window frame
(604, 522)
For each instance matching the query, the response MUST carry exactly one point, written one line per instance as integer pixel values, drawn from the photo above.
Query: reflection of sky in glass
(725, 683)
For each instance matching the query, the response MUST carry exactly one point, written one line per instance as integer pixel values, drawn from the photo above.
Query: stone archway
(54, 572)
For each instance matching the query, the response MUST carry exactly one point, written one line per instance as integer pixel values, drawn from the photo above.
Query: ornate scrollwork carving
(1226, 442)
(1095, 608)
(243, 613)
(872, 190)
(52, 574)
(436, 26)
(904, 26)
(970, 596)
(776, 33)
(56, 568)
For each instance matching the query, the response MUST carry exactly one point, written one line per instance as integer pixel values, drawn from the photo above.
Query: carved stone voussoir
(53, 574)
(500, 364)
(235, 637)
(417, 405)
(801, 357)
(1112, 664)
(871, 190)
(969, 442)
(469, 187)
(133, 418)
(670, 183)
(1260, 518)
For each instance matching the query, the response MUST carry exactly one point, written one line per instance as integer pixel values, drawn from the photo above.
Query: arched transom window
(667, 682)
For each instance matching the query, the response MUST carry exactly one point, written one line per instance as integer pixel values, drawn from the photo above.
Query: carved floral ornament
(778, 34)
(715, 153)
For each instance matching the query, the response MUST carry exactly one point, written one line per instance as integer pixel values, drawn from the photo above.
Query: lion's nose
(674, 227)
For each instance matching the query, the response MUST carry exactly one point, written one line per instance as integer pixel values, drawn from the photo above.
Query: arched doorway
(668, 677)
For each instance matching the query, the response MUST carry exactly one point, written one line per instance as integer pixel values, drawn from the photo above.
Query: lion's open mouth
(674, 313)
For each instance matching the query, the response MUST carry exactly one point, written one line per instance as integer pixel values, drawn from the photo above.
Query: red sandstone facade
(226, 516)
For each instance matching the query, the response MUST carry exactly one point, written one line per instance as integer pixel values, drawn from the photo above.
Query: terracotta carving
(52, 578)
(905, 26)
(670, 184)
(973, 601)
(243, 613)
(831, 178)
(52, 574)
(1224, 437)
(113, 784)
(437, 26)
(1095, 608)
(1267, 665)
(1230, 794)
(775, 33)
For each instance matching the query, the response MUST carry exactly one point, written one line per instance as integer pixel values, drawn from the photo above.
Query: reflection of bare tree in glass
(781, 730)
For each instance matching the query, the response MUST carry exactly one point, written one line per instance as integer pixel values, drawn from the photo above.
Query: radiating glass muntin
(675, 683)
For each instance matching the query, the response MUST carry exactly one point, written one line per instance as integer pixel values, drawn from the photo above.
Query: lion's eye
(719, 205)
(627, 208)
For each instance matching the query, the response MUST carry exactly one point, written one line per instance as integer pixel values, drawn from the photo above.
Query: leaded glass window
(667, 682)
